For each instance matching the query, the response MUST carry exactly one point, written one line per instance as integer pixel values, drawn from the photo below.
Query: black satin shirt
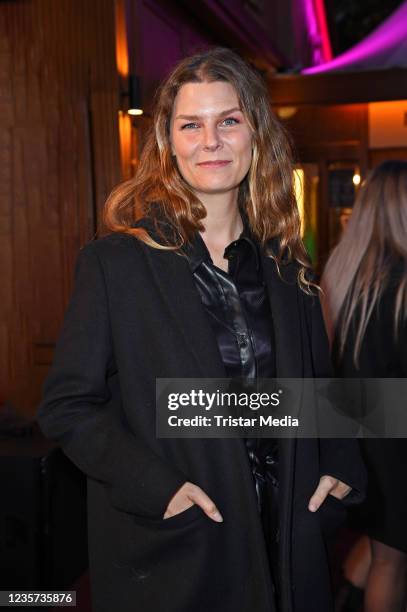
(238, 307)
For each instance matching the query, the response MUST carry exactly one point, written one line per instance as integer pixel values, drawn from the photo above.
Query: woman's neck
(222, 226)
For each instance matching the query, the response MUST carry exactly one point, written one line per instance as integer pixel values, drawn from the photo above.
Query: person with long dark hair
(203, 275)
(365, 284)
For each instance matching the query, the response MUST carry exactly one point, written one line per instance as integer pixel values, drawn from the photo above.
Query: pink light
(323, 28)
(384, 47)
(312, 30)
(317, 31)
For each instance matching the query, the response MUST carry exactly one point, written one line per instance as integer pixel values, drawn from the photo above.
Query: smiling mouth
(214, 164)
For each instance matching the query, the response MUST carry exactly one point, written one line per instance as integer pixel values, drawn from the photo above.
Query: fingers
(177, 508)
(179, 502)
(201, 499)
(326, 484)
(188, 495)
(341, 490)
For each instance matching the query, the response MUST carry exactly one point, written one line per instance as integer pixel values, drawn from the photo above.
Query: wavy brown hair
(266, 194)
(374, 241)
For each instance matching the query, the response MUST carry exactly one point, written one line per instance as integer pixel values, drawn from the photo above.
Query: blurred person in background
(365, 306)
(203, 275)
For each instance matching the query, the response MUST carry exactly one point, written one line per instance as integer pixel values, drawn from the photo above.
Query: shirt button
(242, 340)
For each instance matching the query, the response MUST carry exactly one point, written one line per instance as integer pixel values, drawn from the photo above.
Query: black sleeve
(79, 412)
(339, 457)
(403, 348)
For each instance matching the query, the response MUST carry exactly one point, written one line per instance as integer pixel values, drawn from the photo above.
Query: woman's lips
(214, 164)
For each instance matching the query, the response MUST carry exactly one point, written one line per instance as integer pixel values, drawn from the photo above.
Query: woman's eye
(187, 125)
(231, 119)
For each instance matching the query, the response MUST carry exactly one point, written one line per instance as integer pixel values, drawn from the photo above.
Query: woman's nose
(211, 138)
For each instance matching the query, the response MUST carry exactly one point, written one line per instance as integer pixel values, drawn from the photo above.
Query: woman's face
(210, 137)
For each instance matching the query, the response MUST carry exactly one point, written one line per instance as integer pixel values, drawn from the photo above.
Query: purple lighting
(385, 47)
(311, 32)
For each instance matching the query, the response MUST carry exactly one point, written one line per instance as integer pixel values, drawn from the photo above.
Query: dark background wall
(58, 160)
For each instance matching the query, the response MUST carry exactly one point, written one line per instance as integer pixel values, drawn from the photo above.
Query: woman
(184, 287)
(365, 281)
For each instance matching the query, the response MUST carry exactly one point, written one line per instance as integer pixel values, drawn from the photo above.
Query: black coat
(135, 315)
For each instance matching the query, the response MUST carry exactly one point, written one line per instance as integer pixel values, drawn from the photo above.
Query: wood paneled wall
(59, 158)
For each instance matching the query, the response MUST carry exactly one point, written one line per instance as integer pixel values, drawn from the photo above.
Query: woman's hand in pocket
(188, 495)
(328, 485)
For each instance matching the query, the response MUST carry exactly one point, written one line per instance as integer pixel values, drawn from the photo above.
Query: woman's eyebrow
(193, 117)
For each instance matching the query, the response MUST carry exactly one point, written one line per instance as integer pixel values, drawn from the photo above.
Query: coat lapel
(284, 302)
(176, 285)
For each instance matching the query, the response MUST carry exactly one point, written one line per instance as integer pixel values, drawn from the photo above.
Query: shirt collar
(197, 251)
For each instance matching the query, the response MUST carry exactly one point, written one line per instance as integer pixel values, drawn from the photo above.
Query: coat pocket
(161, 546)
(332, 515)
(190, 515)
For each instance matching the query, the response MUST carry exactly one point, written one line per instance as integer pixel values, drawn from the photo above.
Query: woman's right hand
(188, 495)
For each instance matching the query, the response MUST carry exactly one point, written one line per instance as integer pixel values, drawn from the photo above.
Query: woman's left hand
(328, 485)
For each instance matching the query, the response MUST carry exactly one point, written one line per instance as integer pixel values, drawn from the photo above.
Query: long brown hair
(266, 195)
(374, 241)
